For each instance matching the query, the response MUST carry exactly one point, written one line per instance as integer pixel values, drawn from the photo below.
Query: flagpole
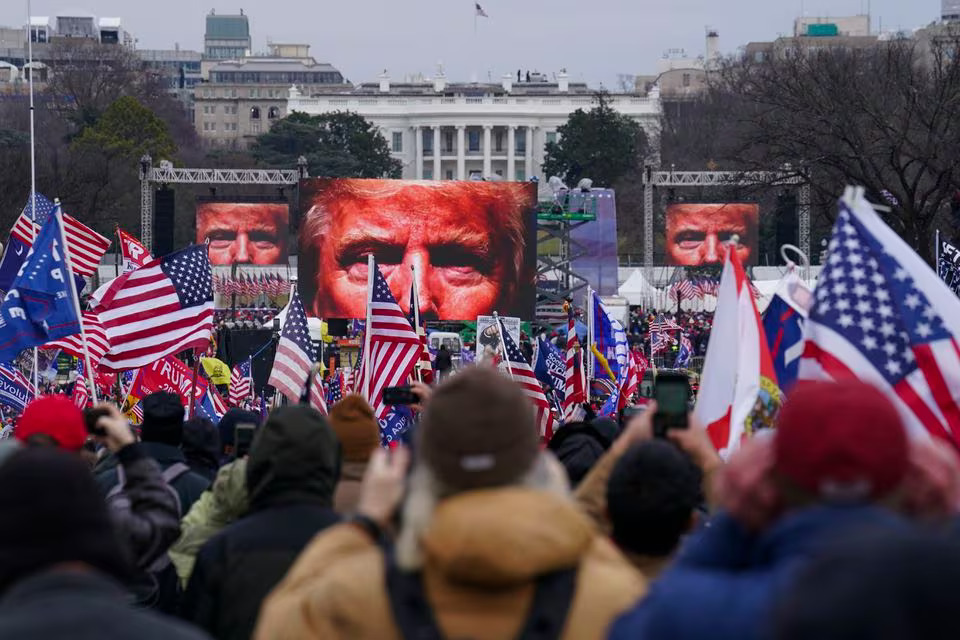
(501, 328)
(193, 384)
(937, 250)
(76, 305)
(415, 303)
(590, 331)
(371, 265)
(33, 177)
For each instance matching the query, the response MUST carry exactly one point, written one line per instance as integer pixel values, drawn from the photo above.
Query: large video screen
(473, 245)
(244, 232)
(695, 232)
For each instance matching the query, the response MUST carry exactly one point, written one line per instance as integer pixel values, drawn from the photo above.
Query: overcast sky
(595, 40)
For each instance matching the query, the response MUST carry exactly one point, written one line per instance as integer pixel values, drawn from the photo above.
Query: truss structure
(653, 179)
(168, 174)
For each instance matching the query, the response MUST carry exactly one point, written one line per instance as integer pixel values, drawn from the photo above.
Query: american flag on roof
(394, 346)
(522, 374)
(295, 353)
(86, 245)
(97, 342)
(241, 383)
(881, 314)
(159, 309)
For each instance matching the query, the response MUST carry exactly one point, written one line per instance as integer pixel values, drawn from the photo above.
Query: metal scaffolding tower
(556, 220)
(653, 179)
(166, 173)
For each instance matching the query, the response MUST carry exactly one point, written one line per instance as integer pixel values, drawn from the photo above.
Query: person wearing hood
(490, 543)
(291, 476)
(580, 445)
(201, 447)
(63, 567)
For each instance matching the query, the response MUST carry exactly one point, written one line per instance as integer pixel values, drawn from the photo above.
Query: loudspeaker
(337, 327)
(164, 205)
(788, 227)
(236, 345)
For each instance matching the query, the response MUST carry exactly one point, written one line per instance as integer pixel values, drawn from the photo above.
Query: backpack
(546, 619)
(157, 586)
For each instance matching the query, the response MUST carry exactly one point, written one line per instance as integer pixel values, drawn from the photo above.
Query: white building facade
(476, 130)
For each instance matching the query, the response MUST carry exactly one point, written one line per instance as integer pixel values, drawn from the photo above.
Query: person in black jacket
(161, 435)
(292, 473)
(443, 363)
(62, 566)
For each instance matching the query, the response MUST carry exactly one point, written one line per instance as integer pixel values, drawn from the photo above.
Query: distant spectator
(201, 447)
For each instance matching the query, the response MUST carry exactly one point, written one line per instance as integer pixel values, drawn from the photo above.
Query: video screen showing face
(244, 232)
(473, 245)
(696, 231)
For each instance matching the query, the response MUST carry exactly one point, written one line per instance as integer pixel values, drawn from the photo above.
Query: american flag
(295, 353)
(394, 346)
(522, 374)
(574, 391)
(480, 13)
(682, 289)
(318, 396)
(335, 390)
(159, 309)
(81, 395)
(241, 383)
(661, 324)
(137, 412)
(881, 314)
(636, 367)
(86, 245)
(425, 365)
(216, 399)
(97, 342)
(660, 341)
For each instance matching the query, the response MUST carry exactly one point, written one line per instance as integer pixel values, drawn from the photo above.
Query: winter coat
(188, 486)
(483, 552)
(726, 582)
(348, 489)
(291, 476)
(81, 605)
(218, 507)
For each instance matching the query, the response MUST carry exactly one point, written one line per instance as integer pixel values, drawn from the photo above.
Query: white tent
(636, 289)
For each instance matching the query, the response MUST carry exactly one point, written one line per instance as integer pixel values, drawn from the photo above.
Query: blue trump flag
(40, 305)
(783, 325)
(550, 367)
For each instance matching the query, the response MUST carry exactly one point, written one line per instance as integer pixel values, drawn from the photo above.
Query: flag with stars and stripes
(881, 314)
(81, 395)
(241, 383)
(160, 309)
(573, 375)
(394, 346)
(295, 353)
(86, 245)
(335, 389)
(523, 375)
(97, 342)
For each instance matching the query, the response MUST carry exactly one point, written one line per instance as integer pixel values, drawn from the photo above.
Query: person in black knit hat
(62, 566)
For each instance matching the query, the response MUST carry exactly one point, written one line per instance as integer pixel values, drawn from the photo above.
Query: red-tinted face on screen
(462, 240)
(695, 232)
(244, 233)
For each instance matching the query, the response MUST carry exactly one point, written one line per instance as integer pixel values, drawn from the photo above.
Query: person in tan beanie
(357, 429)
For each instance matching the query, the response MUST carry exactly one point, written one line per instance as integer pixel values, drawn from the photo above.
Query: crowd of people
(837, 524)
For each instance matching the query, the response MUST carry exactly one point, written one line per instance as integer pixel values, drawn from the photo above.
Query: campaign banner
(168, 374)
(13, 394)
(948, 267)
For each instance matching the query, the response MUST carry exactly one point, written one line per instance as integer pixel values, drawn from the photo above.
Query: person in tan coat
(356, 427)
(486, 522)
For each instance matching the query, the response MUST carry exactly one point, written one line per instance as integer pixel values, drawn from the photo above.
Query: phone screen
(672, 396)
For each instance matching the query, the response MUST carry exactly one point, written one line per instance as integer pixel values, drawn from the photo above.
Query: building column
(436, 154)
(461, 152)
(528, 155)
(511, 152)
(418, 155)
(487, 150)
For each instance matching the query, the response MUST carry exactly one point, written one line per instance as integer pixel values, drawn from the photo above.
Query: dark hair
(651, 496)
(891, 580)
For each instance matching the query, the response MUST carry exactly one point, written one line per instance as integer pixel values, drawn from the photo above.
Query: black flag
(948, 267)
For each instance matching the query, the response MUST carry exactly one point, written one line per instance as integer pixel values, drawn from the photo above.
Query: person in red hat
(839, 463)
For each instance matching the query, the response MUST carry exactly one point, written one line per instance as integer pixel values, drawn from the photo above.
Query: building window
(499, 172)
(254, 113)
(448, 141)
(686, 79)
(473, 140)
(449, 174)
(428, 173)
(427, 141)
(498, 141)
(254, 127)
(397, 146)
(551, 137)
(273, 113)
(520, 175)
(521, 143)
